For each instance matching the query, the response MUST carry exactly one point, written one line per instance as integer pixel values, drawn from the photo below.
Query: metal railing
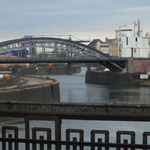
(33, 142)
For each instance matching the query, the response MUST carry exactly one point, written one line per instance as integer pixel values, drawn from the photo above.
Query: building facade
(131, 42)
(102, 46)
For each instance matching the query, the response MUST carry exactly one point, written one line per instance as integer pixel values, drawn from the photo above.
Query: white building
(131, 42)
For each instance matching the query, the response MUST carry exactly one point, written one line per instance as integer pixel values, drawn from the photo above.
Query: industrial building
(102, 46)
(129, 42)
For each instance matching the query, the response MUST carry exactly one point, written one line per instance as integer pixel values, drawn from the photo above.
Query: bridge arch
(78, 50)
(53, 47)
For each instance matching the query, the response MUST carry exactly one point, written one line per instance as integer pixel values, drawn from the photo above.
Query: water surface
(74, 89)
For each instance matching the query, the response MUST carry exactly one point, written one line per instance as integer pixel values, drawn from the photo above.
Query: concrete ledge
(76, 107)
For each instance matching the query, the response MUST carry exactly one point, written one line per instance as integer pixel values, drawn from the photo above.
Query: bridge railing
(46, 138)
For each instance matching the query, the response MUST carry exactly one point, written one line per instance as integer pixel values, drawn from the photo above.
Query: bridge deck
(40, 60)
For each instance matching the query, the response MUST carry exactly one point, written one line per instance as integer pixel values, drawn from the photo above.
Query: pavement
(25, 82)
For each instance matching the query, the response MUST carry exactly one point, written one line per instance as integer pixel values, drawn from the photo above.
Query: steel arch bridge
(46, 49)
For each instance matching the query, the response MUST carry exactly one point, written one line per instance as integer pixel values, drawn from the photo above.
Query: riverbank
(30, 89)
(46, 70)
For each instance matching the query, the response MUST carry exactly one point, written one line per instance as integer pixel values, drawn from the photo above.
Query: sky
(94, 19)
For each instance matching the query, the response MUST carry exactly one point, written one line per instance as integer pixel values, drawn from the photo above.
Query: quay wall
(111, 78)
(62, 70)
(39, 93)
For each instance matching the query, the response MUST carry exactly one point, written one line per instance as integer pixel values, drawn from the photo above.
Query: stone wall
(138, 65)
(111, 78)
(142, 66)
(43, 93)
(62, 70)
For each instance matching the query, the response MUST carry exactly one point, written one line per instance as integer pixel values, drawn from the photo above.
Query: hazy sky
(81, 18)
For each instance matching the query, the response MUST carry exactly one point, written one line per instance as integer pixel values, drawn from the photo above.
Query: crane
(69, 37)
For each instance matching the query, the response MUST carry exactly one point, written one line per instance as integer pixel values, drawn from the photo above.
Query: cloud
(19, 17)
(142, 9)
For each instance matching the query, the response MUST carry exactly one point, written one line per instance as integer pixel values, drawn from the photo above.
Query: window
(126, 40)
(136, 39)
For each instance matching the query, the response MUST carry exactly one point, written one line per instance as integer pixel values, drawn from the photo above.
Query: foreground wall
(77, 107)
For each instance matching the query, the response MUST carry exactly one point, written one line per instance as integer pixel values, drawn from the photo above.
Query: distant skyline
(81, 18)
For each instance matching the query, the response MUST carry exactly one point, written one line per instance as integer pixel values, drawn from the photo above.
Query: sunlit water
(74, 89)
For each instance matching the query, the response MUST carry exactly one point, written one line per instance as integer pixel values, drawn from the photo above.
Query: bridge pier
(129, 65)
(88, 67)
(69, 68)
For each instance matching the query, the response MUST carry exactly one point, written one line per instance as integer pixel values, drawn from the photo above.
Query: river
(74, 89)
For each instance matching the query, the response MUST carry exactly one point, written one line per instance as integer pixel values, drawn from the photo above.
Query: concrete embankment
(111, 78)
(30, 89)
